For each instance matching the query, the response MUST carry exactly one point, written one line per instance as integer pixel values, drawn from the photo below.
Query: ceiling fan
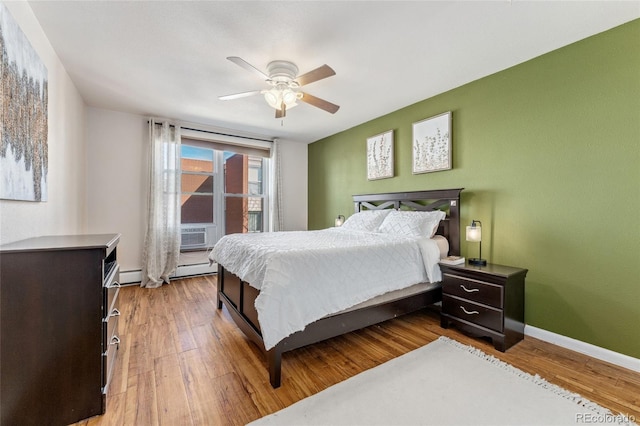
(285, 85)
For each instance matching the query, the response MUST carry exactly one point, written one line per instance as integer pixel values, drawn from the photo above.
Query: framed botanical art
(432, 144)
(380, 156)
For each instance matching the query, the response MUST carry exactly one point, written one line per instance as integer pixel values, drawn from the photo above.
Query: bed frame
(239, 297)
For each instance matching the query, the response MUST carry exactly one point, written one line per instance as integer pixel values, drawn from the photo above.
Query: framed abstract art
(23, 123)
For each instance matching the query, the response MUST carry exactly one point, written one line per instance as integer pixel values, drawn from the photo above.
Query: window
(243, 193)
(223, 192)
(197, 185)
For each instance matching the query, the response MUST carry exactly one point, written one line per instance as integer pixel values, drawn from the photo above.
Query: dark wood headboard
(447, 200)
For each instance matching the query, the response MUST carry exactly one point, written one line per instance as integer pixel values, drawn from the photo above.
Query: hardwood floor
(182, 362)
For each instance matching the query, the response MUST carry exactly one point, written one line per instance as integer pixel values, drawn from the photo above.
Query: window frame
(212, 174)
(219, 194)
(264, 195)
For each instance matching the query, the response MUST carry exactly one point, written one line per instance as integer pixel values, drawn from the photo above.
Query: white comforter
(303, 276)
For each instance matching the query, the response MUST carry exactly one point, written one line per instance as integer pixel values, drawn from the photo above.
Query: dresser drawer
(472, 312)
(111, 288)
(112, 278)
(111, 312)
(474, 290)
(109, 357)
(111, 302)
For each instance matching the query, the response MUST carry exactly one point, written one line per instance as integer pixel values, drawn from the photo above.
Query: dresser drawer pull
(114, 284)
(473, 290)
(469, 312)
(114, 313)
(115, 340)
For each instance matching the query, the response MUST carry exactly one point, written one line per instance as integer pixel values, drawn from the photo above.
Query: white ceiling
(168, 58)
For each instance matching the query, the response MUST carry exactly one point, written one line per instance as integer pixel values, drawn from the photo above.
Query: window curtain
(275, 194)
(162, 239)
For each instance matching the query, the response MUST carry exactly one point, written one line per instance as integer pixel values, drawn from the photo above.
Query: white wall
(293, 164)
(118, 173)
(64, 212)
(117, 179)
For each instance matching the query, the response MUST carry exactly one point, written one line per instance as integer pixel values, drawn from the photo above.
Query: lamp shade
(474, 233)
(289, 97)
(273, 98)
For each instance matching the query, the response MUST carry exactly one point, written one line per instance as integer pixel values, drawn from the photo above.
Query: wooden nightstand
(485, 301)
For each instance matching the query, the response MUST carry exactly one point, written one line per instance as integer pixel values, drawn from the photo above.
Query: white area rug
(444, 383)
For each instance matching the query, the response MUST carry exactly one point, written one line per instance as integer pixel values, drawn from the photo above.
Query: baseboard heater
(135, 276)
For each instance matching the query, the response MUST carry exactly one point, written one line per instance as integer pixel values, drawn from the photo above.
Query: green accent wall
(548, 152)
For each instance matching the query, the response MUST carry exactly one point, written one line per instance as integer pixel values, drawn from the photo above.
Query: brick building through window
(222, 193)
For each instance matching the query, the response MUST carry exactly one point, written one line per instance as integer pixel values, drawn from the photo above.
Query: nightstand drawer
(477, 291)
(472, 312)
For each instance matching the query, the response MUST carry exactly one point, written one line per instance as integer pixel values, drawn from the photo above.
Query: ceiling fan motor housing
(282, 72)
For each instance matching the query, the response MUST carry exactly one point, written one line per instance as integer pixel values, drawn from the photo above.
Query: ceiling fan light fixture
(281, 94)
(289, 97)
(273, 97)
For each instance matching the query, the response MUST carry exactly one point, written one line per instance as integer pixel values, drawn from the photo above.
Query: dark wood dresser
(58, 327)
(485, 301)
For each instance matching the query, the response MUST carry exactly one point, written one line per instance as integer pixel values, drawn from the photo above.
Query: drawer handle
(469, 312)
(114, 313)
(473, 290)
(115, 340)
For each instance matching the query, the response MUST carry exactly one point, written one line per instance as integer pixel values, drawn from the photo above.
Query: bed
(333, 298)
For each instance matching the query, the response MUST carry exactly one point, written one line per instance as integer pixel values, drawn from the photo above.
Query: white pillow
(368, 220)
(412, 223)
(443, 245)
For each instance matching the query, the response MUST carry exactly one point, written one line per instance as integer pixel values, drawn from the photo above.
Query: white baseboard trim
(597, 352)
(135, 276)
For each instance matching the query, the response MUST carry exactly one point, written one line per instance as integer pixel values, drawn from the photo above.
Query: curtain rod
(218, 133)
(228, 134)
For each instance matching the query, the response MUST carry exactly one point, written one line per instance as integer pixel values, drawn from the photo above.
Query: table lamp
(474, 234)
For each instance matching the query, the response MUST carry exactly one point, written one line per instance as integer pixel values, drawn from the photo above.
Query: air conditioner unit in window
(197, 237)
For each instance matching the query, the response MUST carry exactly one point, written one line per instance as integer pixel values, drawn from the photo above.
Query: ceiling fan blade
(247, 66)
(315, 75)
(239, 95)
(319, 103)
(282, 112)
